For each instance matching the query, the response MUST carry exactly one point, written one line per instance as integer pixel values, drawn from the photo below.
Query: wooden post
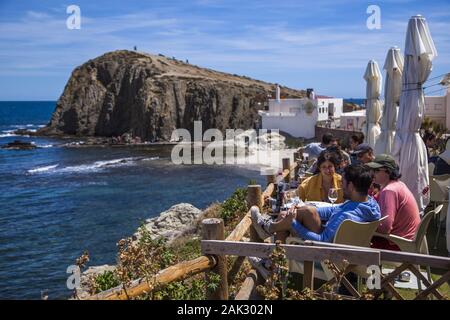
(213, 229)
(254, 196)
(254, 199)
(308, 275)
(287, 165)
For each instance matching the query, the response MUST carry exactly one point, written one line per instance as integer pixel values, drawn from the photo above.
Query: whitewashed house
(353, 121)
(298, 117)
(437, 108)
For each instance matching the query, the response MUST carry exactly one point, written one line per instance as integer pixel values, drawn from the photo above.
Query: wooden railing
(215, 250)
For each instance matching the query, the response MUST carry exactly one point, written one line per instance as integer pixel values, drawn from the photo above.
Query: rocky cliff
(149, 96)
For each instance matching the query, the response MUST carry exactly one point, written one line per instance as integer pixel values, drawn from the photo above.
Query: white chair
(439, 195)
(419, 243)
(349, 233)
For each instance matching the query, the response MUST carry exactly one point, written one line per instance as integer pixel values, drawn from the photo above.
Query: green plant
(105, 281)
(191, 289)
(234, 205)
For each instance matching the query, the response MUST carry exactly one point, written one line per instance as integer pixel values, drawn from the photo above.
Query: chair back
(356, 233)
(423, 226)
(438, 192)
(431, 167)
(442, 177)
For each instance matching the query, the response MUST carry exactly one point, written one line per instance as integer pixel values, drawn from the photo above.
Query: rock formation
(176, 221)
(149, 96)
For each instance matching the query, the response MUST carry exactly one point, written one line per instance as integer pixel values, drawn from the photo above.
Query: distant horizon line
(57, 100)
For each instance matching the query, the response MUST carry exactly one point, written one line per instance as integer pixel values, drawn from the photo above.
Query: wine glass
(301, 175)
(333, 195)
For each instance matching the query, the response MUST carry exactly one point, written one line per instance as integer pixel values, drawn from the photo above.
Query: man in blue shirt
(315, 148)
(321, 224)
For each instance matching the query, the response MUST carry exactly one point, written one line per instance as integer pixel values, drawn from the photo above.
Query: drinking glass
(333, 195)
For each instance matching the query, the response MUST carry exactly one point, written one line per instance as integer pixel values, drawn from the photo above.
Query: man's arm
(325, 213)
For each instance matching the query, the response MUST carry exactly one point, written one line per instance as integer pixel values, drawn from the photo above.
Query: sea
(56, 201)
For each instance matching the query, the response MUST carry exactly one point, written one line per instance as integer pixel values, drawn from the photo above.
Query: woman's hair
(358, 137)
(328, 155)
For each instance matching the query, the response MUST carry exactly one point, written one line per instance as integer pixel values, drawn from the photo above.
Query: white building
(437, 108)
(353, 121)
(298, 117)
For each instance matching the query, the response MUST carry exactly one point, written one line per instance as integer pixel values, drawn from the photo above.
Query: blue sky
(322, 44)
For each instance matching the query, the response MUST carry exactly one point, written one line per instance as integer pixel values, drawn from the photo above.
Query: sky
(321, 44)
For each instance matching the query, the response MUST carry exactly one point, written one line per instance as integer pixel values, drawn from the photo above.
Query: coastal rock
(19, 145)
(148, 96)
(178, 220)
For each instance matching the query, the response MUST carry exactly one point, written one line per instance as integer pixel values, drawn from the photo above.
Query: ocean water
(359, 101)
(56, 202)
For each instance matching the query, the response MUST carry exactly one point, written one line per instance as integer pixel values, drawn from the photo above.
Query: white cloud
(40, 43)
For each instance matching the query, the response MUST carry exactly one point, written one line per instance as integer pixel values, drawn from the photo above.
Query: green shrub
(105, 281)
(234, 205)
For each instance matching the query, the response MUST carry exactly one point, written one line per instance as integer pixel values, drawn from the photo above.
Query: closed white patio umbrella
(373, 104)
(392, 91)
(409, 149)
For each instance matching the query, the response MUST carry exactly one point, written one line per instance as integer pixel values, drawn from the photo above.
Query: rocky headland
(148, 96)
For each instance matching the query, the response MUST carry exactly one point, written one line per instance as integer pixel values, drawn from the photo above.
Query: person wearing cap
(363, 153)
(396, 202)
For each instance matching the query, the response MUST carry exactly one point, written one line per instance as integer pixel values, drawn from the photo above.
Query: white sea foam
(42, 169)
(11, 133)
(91, 167)
(150, 159)
(7, 134)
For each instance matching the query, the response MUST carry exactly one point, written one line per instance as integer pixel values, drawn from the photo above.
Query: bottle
(280, 196)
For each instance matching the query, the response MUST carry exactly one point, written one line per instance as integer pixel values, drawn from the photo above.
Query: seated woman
(316, 188)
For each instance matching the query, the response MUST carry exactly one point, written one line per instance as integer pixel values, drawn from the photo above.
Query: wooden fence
(215, 249)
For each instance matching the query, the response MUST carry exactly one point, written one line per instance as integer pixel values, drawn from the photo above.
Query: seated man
(396, 202)
(306, 222)
(315, 148)
(363, 153)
